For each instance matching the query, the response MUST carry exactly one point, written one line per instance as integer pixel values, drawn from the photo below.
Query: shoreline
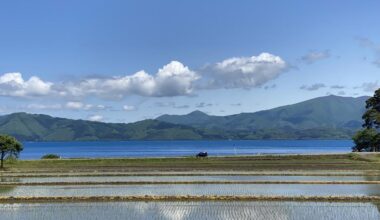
(212, 156)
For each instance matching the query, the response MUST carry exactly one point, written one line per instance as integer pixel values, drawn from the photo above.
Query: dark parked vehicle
(202, 154)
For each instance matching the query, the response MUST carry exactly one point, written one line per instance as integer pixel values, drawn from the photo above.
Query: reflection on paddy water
(188, 178)
(192, 210)
(198, 189)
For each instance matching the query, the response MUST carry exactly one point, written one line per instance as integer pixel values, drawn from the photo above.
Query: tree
(9, 146)
(368, 139)
(372, 116)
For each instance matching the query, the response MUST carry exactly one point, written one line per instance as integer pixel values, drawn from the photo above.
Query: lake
(109, 149)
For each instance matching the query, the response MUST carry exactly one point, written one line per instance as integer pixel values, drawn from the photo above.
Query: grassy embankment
(341, 162)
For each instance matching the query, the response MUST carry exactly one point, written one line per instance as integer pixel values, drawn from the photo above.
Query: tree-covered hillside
(329, 117)
(323, 117)
(33, 127)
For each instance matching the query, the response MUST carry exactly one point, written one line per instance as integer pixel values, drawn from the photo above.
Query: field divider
(23, 199)
(10, 175)
(179, 182)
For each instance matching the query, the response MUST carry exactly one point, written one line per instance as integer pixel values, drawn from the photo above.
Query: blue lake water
(96, 149)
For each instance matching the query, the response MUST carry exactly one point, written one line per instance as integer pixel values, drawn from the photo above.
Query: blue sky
(123, 61)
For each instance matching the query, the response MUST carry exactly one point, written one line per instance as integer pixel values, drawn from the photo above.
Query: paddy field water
(262, 187)
(192, 210)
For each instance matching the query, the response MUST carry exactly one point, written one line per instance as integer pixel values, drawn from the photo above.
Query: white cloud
(13, 84)
(69, 105)
(174, 79)
(245, 72)
(129, 108)
(100, 107)
(74, 105)
(95, 118)
(44, 107)
(314, 56)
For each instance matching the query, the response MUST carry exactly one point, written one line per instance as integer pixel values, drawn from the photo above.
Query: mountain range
(329, 117)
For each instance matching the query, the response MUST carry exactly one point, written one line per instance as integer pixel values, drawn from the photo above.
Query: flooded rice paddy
(195, 190)
(192, 210)
(268, 210)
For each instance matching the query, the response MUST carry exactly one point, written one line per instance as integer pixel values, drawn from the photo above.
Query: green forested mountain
(323, 118)
(35, 127)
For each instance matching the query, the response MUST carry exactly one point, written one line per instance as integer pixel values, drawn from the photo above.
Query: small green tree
(372, 116)
(367, 139)
(9, 146)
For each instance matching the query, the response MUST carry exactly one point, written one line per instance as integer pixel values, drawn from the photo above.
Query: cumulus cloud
(314, 56)
(68, 105)
(13, 84)
(74, 105)
(313, 87)
(174, 79)
(245, 72)
(44, 106)
(97, 118)
(128, 108)
(77, 105)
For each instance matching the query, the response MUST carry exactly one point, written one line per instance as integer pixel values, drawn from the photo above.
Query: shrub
(50, 156)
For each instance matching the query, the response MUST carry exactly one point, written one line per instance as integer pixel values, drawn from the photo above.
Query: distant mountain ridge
(329, 117)
(38, 127)
(330, 113)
